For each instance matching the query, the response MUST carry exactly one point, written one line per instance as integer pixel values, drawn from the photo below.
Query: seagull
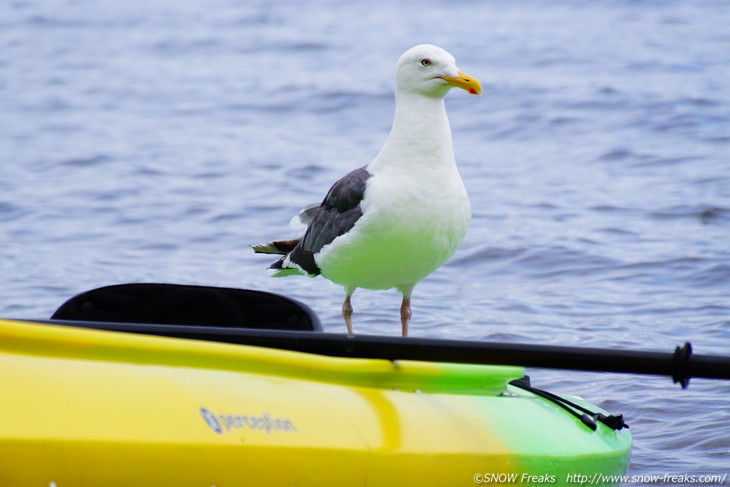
(394, 221)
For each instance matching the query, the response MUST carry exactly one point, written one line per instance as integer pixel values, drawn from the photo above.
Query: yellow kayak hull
(94, 408)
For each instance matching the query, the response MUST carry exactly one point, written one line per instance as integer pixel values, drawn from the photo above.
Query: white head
(431, 71)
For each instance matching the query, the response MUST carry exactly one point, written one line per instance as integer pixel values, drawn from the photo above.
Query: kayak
(90, 407)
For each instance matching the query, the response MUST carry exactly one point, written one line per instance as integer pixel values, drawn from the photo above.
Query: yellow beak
(465, 82)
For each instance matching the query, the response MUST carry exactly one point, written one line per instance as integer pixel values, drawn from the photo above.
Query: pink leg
(405, 314)
(347, 314)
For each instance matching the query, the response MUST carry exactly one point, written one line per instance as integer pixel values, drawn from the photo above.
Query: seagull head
(431, 71)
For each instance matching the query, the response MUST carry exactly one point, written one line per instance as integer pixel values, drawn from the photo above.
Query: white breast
(412, 224)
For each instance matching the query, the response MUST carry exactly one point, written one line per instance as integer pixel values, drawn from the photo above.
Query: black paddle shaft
(681, 365)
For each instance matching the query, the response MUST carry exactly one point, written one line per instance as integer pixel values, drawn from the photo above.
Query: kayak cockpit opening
(177, 304)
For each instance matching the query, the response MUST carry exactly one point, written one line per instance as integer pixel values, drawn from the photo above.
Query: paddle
(255, 310)
(680, 365)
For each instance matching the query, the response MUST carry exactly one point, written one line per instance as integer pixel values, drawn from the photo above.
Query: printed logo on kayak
(212, 422)
(225, 423)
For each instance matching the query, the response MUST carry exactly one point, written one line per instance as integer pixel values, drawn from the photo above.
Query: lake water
(154, 141)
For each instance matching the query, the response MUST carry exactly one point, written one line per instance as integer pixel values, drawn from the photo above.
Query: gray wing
(337, 214)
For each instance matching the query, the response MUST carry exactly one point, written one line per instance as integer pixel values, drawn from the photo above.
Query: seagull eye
(425, 62)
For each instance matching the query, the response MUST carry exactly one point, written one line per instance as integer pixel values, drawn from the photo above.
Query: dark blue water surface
(154, 141)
